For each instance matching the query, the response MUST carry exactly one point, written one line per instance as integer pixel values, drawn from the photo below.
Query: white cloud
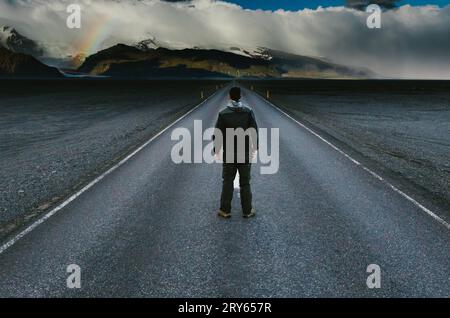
(413, 41)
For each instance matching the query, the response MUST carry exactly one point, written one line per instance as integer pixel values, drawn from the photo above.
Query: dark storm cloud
(362, 4)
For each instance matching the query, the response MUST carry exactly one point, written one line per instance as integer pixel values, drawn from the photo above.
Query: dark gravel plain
(57, 135)
(401, 128)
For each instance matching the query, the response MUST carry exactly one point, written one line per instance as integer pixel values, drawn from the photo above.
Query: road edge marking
(66, 202)
(374, 174)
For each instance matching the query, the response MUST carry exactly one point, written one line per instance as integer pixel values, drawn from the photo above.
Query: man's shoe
(223, 214)
(250, 215)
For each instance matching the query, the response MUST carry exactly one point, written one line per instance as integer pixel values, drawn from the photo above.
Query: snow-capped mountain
(15, 42)
(147, 44)
(128, 61)
(258, 53)
(154, 58)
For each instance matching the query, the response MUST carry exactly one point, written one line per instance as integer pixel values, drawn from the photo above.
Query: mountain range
(21, 56)
(129, 61)
(22, 65)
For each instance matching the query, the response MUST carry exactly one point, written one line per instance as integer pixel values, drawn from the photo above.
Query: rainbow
(97, 34)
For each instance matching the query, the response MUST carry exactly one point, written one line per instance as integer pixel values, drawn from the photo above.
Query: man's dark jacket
(236, 115)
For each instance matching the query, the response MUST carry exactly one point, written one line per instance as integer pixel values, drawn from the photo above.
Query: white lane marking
(403, 194)
(236, 184)
(30, 228)
(236, 181)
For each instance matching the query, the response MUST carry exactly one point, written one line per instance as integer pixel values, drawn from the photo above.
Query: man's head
(235, 94)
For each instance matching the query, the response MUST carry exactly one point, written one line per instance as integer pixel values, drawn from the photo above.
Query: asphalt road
(149, 229)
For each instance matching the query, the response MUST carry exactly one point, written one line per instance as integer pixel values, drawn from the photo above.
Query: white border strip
(30, 228)
(423, 208)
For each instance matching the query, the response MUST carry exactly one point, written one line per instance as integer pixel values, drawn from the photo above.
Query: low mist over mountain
(22, 65)
(16, 42)
(130, 61)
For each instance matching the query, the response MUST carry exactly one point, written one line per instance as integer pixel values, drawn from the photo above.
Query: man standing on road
(240, 132)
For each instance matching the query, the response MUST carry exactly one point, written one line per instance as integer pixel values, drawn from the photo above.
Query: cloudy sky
(313, 4)
(413, 42)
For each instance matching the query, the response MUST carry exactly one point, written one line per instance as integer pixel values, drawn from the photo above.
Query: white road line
(30, 228)
(419, 205)
(236, 184)
(236, 181)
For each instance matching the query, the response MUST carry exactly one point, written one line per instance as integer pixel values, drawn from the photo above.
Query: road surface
(149, 229)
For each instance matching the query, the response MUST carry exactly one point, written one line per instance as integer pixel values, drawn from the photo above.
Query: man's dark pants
(228, 175)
